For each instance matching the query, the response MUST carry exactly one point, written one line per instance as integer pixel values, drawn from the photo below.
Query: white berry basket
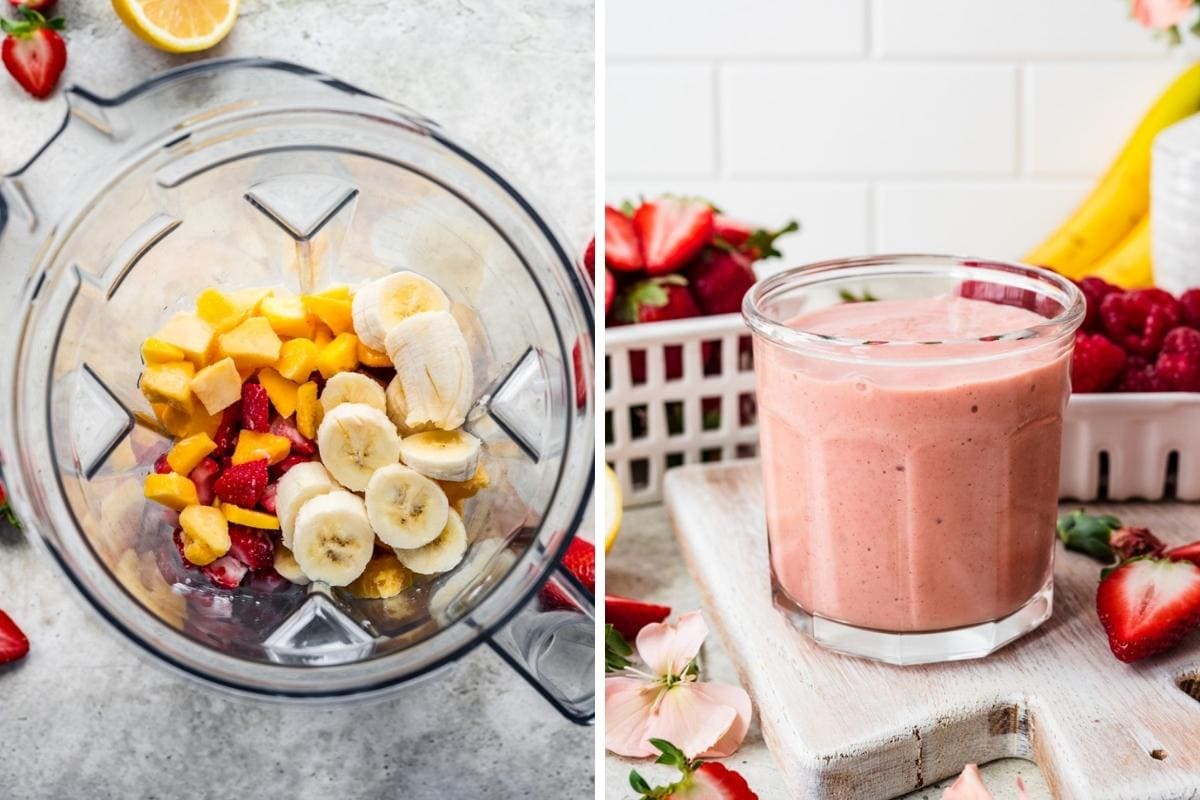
(687, 409)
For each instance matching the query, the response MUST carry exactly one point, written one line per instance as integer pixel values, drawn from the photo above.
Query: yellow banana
(1128, 265)
(1122, 197)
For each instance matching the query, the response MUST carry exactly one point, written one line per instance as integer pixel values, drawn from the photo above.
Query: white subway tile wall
(969, 126)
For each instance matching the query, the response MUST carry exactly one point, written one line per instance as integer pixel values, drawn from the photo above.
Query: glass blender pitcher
(245, 173)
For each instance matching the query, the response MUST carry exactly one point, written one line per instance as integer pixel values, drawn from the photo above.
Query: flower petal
(628, 712)
(690, 720)
(667, 649)
(734, 697)
(969, 786)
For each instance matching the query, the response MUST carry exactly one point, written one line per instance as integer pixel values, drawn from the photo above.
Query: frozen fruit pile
(291, 458)
(673, 258)
(1141, 340)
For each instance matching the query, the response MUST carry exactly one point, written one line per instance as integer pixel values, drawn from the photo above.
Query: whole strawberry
(1139, 320)
(755, 243)
(1096, 363)
(719, 279)
(580, 561)
(700, 780)
(33, 51)
(1178, 364)
(657, 300)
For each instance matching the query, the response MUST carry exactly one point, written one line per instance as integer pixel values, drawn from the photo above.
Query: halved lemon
(178, 26)
(612, 507)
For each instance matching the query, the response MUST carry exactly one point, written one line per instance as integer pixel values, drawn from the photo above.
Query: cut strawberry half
(256, 408)
(622, 251)
(672, 231)
(1148, 605)
(1185, 552)
(267, 501)
(13, 642)
(33, 50)
(280, 469)
(701, 780)
(161, 466)
(243, 484)
(267, 581)
(580, 561)
(629, 616)
(252, 547)
(204, 475)
(302, 445)
(226, 572)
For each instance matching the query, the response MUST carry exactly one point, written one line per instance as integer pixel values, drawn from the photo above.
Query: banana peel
(1121, 199)
(1129, 264)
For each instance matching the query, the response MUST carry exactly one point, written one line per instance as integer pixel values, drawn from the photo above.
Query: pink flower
(705, 720)
(1160, 14)
(969, 786)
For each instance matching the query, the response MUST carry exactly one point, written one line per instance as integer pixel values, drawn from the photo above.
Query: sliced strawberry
(226, 572)
(252, 547)
(656, 300)
(243, 484)
(589, 258)
(1185, 552)
(581, 388)
(268, 581)
(267, 501)
(280, 469)
(281, 426)
(204, 475)
(1148, 605)
(629, 616)
(227, 430)
(177, 538)
(732, 232)
(36, 5)
(13, 643)
(33, 51)
(256, 408)
(701, 780)
(672, 231)
(580, 561)
(161, 466)
(621, 248)
(719, 279)
(610, 290)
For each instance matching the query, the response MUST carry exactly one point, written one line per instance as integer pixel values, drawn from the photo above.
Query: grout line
(963, 59)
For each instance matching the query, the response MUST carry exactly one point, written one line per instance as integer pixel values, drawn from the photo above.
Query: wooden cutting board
(841, 727)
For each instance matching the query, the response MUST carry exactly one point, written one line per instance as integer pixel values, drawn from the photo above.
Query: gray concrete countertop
(83, 715)
(645, 563)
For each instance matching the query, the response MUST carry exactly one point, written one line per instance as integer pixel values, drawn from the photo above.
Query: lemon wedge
(178, 26)
(612, 507)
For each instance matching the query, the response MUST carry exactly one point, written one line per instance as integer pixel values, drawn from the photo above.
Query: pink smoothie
(907, 494)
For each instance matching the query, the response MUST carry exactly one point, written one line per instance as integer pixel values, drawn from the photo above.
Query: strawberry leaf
(762, 241)
(1088, 534)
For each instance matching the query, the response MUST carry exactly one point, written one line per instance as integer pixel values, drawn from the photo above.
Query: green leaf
(671, 755)
(850, 297)
(639, 783)
(616, 650)
(763, 240)
(1088, 534)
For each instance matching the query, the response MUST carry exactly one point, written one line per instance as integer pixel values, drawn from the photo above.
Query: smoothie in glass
(911, 450)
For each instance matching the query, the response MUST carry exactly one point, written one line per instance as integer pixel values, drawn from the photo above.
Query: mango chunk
(280, 391)
(458, 491)
(287, 315)
(322, 336)
(205, 534)
(251, 344)
(175, 421)
(251, 519)
(190, 334)
(252, 446)
(219, 310)
(171, 490)
(372, 358)
(309, 411)
(201, 421)
(297, 359)
(156, 351)
(338, 291)
(340, 355)
(169, 384)
(251, 298)
(384, 577)
(218, 385)
(187, 453)
(333, 311)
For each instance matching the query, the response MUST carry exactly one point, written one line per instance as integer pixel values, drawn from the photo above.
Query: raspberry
(243, 484)
(256, 408)
(1094, 291)
(1140, 376)
(1096, 363)
(1179, 362)
(1189, 301)
(1139, 320)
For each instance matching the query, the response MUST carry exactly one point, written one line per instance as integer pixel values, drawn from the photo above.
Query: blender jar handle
(551, 643)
